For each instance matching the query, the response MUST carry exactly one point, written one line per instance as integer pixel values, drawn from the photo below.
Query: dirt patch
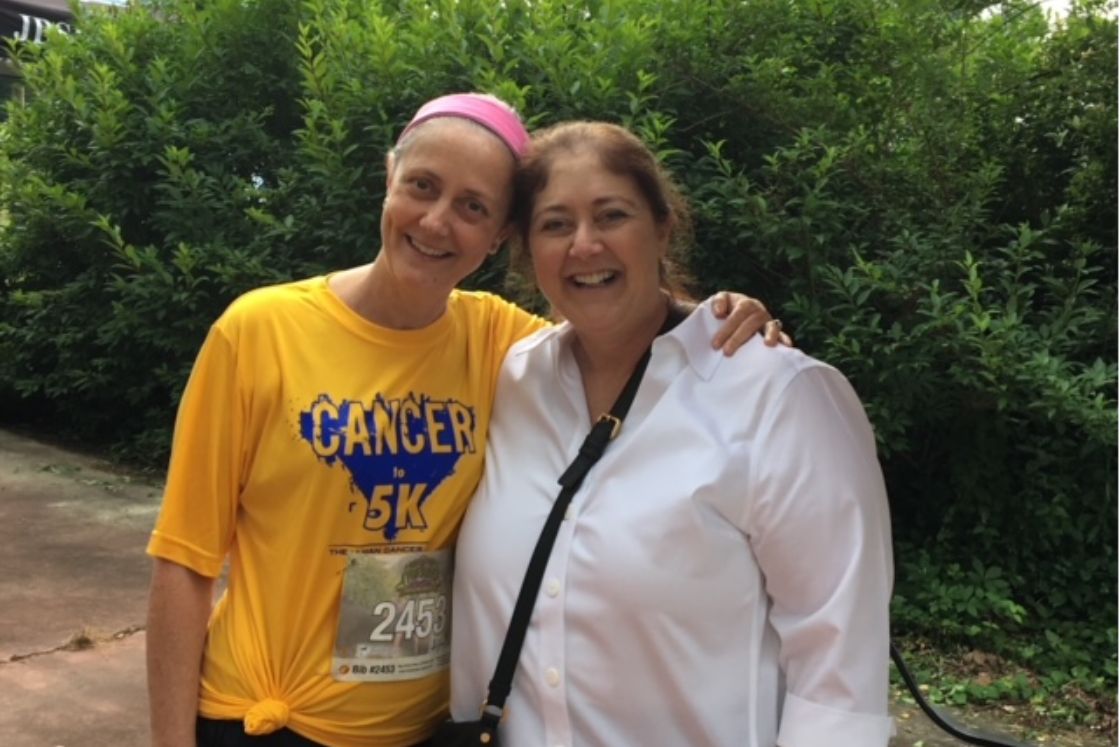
(915, 729)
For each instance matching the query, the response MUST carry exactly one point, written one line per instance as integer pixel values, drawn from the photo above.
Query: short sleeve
(196, 520)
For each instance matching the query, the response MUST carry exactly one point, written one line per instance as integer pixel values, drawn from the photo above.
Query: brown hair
(621, 153)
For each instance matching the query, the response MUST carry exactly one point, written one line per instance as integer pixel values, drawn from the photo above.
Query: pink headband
(490, 112)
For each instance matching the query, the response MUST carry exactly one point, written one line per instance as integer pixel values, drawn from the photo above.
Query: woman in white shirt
(722, 576)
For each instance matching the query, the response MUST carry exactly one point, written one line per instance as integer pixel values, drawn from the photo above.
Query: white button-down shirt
(723, 575)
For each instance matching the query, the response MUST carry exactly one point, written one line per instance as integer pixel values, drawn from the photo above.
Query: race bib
(394, 622)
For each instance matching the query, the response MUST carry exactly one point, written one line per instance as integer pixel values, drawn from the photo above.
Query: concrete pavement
(72, 599)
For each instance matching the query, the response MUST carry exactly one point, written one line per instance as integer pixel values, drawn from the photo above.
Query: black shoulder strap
(605, 429)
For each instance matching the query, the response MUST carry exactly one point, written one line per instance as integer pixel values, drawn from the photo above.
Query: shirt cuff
(808, 724)
(164, 546)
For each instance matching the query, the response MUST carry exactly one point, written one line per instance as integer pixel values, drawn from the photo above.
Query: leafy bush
(127, 178)
(926, 191)
(906, 229)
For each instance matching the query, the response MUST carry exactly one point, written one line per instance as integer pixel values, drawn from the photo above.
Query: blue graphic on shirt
(396, 451)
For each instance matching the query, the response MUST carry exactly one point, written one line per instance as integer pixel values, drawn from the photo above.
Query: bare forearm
(178, 609)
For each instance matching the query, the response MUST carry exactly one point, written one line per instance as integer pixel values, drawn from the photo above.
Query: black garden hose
(965, 735)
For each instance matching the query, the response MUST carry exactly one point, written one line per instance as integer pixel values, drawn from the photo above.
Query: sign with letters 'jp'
(28, 20)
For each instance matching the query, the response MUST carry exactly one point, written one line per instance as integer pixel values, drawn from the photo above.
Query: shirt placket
(551, 603)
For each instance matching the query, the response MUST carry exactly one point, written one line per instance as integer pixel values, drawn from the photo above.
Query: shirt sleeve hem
(808, 724)
(185, 554)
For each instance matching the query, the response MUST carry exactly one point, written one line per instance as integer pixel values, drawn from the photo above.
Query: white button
(552, 588)
(568, 512)
(552, 676)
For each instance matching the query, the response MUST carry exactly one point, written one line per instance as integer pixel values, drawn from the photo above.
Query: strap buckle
(616, 424)
(492, 710)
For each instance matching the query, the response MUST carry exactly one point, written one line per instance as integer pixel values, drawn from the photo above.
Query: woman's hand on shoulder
(744, 317)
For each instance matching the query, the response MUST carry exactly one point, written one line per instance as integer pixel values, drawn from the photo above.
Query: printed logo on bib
(396, 451)
(393, 621)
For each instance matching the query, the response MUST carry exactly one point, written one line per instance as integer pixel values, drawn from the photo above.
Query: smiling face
(450, 186)
(596, 246)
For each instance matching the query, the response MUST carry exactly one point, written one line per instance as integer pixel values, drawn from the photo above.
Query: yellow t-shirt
(308, 442)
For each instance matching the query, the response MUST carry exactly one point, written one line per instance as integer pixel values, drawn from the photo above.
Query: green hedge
(925, 191)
